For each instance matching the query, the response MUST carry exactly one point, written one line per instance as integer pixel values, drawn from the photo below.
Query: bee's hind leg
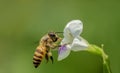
(51, 57)
(47, 58)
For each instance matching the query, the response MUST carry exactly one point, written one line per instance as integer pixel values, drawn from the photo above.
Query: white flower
(72, 40)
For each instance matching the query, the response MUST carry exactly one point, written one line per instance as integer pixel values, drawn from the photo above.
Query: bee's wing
(63, 52)
(79, 44)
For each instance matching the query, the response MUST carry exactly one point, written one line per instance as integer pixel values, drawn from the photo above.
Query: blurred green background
(24, 22)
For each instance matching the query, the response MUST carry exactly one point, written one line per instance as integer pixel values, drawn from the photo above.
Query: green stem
(106, 65)
(99, 51)
(106, 68)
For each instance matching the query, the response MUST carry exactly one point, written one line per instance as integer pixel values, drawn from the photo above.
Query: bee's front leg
(56, 44)
(60, 39)
(50, 45)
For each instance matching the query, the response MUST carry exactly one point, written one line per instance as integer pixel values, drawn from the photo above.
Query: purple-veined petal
(72, 39)
(63, 52)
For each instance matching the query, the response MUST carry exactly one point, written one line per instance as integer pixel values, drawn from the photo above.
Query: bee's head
(53, 36)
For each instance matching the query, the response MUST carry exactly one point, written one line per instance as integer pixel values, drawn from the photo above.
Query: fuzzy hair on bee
(46, 43)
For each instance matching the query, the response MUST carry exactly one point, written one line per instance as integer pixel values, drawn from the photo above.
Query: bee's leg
(50, 55)
(47, 58)
(59, 39)
(50, 45)
(51, 59)
(47, 55)
(56, 44)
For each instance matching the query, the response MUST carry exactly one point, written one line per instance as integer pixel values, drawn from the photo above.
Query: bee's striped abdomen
(38, 56)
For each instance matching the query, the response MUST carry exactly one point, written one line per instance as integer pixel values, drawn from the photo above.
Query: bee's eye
(51, 34)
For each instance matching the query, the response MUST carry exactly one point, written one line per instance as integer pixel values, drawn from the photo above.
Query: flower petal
(79, 45)
(73, 29)
(66, 41)
(64, 51)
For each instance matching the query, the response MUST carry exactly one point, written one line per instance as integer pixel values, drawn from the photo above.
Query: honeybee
(47, 42)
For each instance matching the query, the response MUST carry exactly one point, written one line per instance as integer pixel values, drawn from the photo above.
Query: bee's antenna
(58, 32)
